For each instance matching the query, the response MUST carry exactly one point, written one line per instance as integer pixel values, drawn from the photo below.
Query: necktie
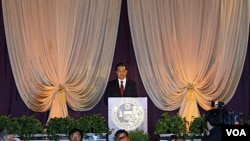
(122, 88)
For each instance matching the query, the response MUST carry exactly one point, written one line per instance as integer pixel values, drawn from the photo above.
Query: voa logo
(236, 132)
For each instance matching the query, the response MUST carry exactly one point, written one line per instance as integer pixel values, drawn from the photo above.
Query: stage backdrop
(11, 103)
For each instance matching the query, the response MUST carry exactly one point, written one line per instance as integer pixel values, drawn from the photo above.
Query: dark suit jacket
(113, 90)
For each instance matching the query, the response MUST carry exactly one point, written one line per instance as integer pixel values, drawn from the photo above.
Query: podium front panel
(127, 113)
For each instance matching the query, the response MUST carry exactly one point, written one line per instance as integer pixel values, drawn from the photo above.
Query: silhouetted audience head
(172, 137)
(180, 138)
(176, 138)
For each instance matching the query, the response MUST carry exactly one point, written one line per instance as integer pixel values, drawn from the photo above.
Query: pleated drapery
(61, 51)
(189, 52)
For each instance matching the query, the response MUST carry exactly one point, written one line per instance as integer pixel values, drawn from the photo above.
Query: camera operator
(214, 121)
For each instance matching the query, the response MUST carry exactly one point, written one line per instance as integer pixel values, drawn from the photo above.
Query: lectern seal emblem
(128, 114)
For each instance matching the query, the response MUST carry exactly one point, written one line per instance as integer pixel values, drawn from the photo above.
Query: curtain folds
(189, 52)
(61, 51)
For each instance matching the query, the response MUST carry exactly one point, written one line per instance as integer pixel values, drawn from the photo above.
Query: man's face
(121, 72)
(123, 137)
(76, 136)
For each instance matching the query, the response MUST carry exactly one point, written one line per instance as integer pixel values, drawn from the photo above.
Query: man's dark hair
(120, 64)
(172, 137)
(73, 131)
(214, 117)
(120, 131)
(180, 138)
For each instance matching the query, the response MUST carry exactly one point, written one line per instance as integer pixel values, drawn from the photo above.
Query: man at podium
(121, 86)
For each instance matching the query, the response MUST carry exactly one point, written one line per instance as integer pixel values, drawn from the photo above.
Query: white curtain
(61, 51)
(189, 52)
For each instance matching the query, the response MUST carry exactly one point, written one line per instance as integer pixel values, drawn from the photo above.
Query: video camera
(229, 117)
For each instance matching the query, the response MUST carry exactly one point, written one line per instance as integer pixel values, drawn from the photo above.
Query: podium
(127, 113)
